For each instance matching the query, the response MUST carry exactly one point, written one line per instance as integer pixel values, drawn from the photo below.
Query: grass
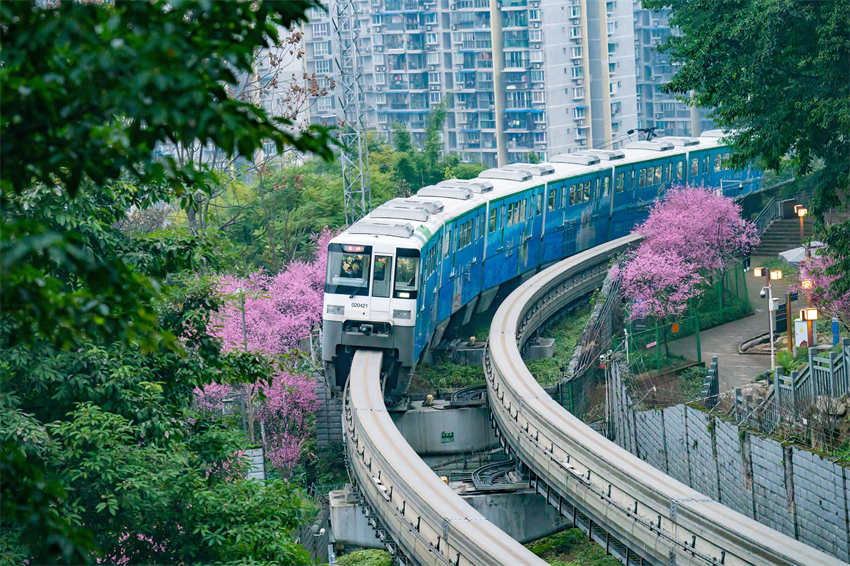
(566, 332)
(571, 547)
(368, 557)
(447, 375)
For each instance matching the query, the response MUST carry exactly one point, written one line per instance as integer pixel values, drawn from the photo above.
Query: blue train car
(398, 276)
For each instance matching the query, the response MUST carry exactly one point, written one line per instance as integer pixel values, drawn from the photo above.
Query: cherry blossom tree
(823, 293)
(689, 237)
(703, 228)
(660, 283)
(268, 315)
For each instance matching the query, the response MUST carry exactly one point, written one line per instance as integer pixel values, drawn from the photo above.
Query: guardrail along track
(429, 522)
(652, 516)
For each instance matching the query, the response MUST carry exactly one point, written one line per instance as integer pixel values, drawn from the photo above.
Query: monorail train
(396, 277)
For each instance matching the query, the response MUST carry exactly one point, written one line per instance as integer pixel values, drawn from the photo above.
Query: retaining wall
(789, 489)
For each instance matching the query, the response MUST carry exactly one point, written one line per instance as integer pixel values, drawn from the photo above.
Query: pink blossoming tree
(689, 236)
(268, 315)
(823, 293)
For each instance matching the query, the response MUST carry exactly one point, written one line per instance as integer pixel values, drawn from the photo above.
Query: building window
(578, 112)
(324, 104)
(323, 66)
(575, 51)
(534, 15)
(432, 58)
(537, 98)
(320, 30)
(575, 31)
(321, 48)
(578, 92)
(435, 97)
(380, 98)
(535, 35)
(575, 11)
(576, 72)
(536, 76)
(380, 78)
(535, 56)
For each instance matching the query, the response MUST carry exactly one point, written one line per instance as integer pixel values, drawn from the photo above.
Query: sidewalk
(722, 341)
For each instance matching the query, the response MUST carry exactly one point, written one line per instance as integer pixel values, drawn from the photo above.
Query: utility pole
(354, 155)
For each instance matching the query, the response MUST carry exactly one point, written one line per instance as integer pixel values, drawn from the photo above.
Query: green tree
(778, 73)
(103, 456)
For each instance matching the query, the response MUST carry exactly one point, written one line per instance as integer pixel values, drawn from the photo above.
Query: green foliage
(101, 129)
(691, 381)
(368, 557)
(104, 332)
(571, 547)
(775, 71)
(566, 332)
(448, 375)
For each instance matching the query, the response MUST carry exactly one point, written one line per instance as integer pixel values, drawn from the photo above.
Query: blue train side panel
(554, 220)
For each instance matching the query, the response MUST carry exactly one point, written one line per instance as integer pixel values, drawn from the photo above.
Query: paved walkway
(722, 341)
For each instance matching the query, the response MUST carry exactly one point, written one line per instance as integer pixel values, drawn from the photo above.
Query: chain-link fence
(647, 342)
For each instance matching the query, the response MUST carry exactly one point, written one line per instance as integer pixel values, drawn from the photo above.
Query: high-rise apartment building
(516, 76)
(654, 69)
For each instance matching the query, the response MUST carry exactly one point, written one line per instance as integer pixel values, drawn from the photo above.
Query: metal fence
(796, 399)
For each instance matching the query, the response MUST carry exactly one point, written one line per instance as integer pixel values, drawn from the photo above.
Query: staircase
(783, 234)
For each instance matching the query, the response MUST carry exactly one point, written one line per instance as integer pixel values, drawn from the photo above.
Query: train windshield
(348, 269)
(406, 274)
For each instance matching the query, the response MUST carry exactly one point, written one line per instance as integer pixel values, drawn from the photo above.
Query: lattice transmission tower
(357, 198)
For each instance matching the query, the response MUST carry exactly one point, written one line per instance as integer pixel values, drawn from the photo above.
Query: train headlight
(405, 314)
(336, 309)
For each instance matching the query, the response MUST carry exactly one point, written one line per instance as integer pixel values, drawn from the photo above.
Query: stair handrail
(768, 214)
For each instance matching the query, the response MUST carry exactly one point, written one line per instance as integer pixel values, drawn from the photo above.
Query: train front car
(371, 289)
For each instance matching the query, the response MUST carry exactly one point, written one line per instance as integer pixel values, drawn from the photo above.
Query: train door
(382, 269)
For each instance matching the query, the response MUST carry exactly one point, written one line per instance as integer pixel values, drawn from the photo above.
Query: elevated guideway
(640, 514)
(428, 522)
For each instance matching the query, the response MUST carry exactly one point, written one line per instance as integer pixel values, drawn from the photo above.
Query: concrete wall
(789, 489)
(437, 430)
(524, 515)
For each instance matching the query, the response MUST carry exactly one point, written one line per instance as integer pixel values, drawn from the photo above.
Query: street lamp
(809, 314)
(801, 213)
(769, 275)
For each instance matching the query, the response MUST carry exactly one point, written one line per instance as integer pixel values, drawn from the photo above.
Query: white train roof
(410, 222)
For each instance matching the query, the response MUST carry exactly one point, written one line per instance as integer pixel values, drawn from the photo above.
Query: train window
(680, 170)
(642, 178)
(705, 165)
(587, 190)
(553, 195)
(447, 242)
(621, 182)
(726, 161)
(494, 217)
(539, 203)
(381, 276)
(658, 170)
(632, 183)
(348, 269)
(716, 164)
(572, 194)
(521, 211)
(694, 167)
(606, 186)
(406, 274)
